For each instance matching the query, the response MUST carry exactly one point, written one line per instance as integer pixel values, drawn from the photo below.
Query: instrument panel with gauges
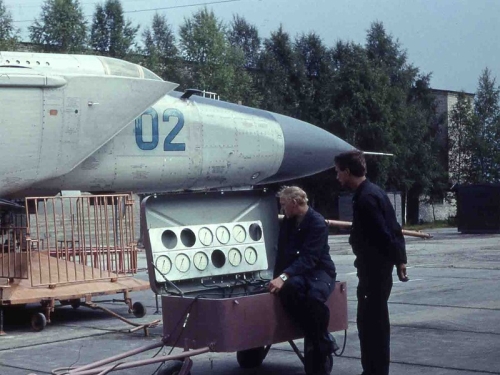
(214, 239)
(196, 251)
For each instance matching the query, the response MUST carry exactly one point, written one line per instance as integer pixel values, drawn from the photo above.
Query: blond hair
(294, 193)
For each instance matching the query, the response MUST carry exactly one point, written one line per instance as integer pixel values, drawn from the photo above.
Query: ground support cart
(69, 249)
(210, 256)
(247, 325)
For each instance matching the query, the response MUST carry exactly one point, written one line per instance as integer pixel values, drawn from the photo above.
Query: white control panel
(195, 251)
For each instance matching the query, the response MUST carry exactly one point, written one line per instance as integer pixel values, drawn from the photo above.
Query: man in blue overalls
(304, 277)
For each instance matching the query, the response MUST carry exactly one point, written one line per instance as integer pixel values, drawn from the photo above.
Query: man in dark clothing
(378, 243)
(305, 277)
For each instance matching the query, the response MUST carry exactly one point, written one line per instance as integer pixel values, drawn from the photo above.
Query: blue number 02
(143, 145)
(168, 145)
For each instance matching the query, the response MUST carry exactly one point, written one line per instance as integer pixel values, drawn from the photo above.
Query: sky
(454, 40)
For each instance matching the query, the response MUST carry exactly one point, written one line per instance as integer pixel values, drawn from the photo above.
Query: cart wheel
(75, 303)
(251, 358)
(138, 310)
(172, 368)
(38, 321)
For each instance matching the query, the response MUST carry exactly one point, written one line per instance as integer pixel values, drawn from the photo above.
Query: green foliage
(160, 51)
(361, 107)
(203, 45)
(245, 41)
(243, 90)
(214, 65)
(9, 35)
(62, 27)
(386, 53)
(246, 37)
(474, 135)
(314, 78)
(409, 122)
(368, 95)
(484, 140)
(110, 34)
(277, 79)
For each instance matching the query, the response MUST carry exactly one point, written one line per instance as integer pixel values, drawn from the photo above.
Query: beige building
(445, 208)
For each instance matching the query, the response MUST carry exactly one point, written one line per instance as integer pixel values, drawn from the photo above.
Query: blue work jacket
(303, 249)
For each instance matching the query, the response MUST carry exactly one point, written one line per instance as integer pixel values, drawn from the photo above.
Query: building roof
(451, 92)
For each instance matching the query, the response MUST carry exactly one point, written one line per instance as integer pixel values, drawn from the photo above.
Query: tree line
(368, 94)
(474, 135)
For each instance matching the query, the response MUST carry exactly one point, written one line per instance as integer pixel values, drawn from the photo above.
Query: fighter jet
(98, 124)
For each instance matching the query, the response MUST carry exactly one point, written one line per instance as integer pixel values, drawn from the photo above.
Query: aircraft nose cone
(308, 149)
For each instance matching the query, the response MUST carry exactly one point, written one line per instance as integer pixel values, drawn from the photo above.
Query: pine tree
(62, 27)
(314, 64)
(214, 64)
(245, 41)
(160, 50)
(485, 146)
(277, 74)
(9, 35)
(246, 37)
(110, 34)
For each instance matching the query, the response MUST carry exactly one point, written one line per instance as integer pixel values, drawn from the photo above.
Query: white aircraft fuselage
(89, 123)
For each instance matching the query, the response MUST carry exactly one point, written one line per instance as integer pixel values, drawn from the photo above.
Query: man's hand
(402, 275)
(276, 285)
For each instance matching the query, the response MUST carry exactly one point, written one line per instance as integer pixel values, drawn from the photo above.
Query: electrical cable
(236, 282)
(157, 9)
(24, 5)
(185, 317)
(343, 346)
(182, 6)
(181, 293)
(218, 287)
(161, 364)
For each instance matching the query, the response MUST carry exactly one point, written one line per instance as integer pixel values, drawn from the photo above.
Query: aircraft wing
(49, 122)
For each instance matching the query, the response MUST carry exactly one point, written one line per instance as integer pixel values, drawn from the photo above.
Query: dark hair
(352, 160)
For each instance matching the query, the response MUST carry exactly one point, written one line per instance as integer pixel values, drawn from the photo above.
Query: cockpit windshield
(122, 68)
(75, 64)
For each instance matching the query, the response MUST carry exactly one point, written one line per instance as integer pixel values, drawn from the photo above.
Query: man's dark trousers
(304, 299)
(373, 322)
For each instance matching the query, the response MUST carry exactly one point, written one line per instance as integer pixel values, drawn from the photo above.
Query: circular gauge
(205, 236)
(222, 234)
(163, 264)
(239, 233)
(182, 262)
(200, 260)
(234, 256)
(250, 255)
